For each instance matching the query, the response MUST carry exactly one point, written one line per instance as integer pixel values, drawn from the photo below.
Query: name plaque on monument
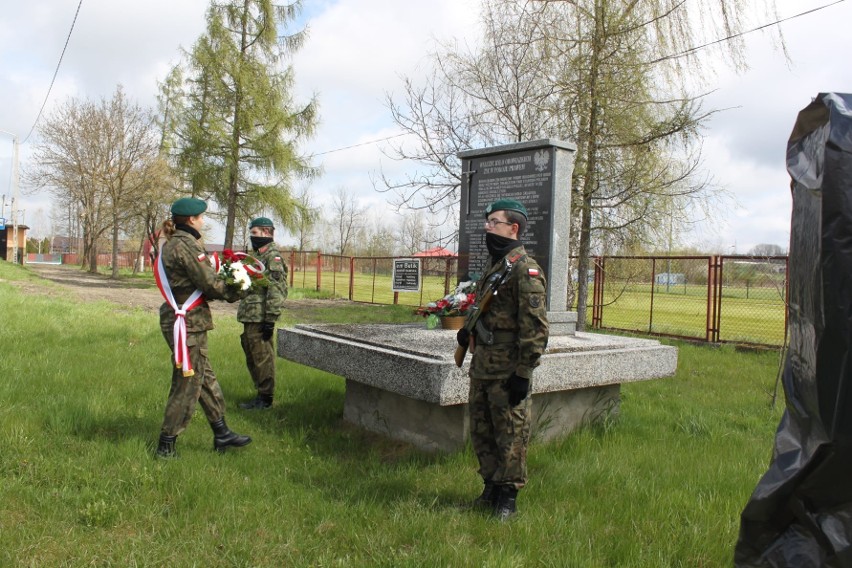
(524, 175)
(538, 174)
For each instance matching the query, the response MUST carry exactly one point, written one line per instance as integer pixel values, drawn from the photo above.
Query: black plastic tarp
(800, 513)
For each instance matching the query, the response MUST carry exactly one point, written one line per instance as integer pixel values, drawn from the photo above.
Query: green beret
(189, 207)
(261, 222)
(506, 205)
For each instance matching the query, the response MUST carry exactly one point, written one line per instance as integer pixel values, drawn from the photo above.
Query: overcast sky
(357, 51)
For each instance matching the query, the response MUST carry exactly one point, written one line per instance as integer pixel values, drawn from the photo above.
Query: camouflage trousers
(185, 392)
(499, 433)
(260, 357)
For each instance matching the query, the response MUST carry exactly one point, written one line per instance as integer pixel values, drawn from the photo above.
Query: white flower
(240, 275)
(465, 287)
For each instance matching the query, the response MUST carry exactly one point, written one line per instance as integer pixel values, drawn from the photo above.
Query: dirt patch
(70, 281)
(88, 287)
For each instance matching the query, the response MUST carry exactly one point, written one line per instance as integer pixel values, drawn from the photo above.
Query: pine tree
(238, 134)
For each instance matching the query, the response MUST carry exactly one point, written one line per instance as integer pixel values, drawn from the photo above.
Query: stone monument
(538, 174)
(402, 381)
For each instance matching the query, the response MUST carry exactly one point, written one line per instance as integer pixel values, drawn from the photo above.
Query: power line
(368, 142)
(733, 36)
(664, 58)
(55, 73)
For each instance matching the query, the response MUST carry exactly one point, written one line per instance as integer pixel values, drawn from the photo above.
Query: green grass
(81, 399)
(753, 317)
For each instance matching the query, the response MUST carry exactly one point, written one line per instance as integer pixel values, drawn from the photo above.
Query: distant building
(8, 242)
(670, 278)
(437, 251)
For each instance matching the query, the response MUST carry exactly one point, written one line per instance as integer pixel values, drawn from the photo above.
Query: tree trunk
(139, 252)
(114, 273)
(93, 257)
(590, 181)
(583, 264)
(230, 218)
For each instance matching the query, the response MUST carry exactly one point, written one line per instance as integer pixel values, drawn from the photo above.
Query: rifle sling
(483, 334)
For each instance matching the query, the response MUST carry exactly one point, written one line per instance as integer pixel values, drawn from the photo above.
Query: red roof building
(437, 251)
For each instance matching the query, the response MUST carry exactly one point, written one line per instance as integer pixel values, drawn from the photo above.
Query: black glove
(267, 329)
(518, 388)
(463, 337)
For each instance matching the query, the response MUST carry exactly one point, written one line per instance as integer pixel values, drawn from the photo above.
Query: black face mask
(499, 246)
(258, 243)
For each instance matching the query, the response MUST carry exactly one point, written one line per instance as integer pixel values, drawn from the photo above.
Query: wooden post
(351, 277)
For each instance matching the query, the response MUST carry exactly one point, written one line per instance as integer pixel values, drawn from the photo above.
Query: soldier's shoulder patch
(535, 301)
(201, 257)
(277, 259)
(533, 272)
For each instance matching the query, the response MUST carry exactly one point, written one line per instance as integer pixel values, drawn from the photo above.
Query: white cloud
(745, 147)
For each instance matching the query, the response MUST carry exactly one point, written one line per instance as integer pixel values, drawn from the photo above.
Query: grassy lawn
(81, 399)
(750, 316)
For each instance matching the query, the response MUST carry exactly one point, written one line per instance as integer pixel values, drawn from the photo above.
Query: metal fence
(369, 279)
(719, 299)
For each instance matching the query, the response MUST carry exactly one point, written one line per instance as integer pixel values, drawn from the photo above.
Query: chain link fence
(719, 299)
(129, 260)
(370, 279)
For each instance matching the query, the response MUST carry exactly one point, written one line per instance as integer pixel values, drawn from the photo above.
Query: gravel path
(72, 282)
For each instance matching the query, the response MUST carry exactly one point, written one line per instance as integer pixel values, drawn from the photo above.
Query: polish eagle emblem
(541, 159)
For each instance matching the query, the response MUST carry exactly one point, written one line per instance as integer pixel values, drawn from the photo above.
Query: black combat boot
(504, 504)
(486, 500)
(260, 402)
(166, 448)
(224, 438)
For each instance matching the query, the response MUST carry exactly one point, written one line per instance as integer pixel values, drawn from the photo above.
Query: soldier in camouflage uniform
(507, 342)
(259, 311)
(187, 268)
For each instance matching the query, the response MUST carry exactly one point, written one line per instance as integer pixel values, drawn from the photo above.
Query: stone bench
(401, 380)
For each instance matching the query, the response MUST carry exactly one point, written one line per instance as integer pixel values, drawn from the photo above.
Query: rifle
(496, 280)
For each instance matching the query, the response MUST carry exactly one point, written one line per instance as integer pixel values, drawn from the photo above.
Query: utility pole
(15, 203)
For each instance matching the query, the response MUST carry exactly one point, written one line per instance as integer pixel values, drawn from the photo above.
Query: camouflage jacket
(517, 317)
(188, 268)
(264, 304)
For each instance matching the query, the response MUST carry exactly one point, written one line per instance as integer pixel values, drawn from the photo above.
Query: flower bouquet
(239, 270)
(458, 303)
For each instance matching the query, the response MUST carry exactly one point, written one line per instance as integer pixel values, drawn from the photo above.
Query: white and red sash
(181, 350)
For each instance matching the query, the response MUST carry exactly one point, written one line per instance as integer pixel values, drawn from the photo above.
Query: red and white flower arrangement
(458, 303)
(239, 270)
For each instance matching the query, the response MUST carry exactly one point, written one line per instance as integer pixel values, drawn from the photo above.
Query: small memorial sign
(406, 275)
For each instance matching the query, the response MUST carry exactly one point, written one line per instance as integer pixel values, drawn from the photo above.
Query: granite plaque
(525, 175)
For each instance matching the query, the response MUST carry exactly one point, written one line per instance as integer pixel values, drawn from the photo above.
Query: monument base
(562, 323)
(432, 427)
(401, 380)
